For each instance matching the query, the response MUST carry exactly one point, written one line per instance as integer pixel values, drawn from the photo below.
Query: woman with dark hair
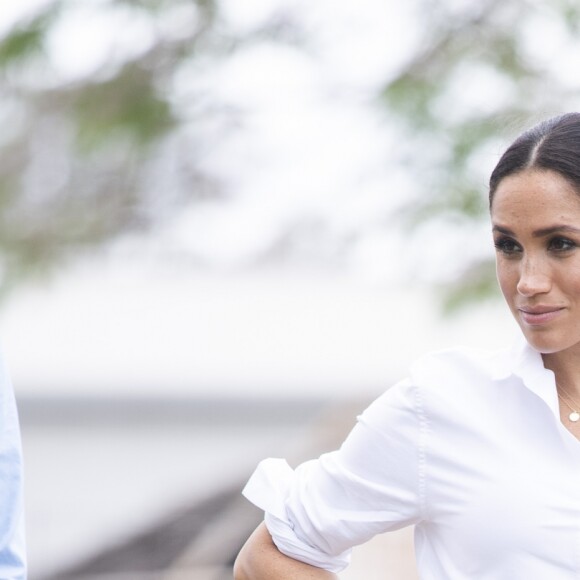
(478, 450)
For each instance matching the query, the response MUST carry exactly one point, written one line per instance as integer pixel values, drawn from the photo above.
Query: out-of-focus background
(225, 227)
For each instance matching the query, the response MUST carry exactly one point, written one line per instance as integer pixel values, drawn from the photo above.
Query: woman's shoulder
(438, 379)
(460, 363)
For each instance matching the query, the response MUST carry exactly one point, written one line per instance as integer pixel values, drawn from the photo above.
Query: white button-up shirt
(470, 449)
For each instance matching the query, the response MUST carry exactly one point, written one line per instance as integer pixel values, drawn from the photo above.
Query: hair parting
(552, 145)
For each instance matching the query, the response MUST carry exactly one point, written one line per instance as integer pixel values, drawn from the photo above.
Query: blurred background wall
(219, 219)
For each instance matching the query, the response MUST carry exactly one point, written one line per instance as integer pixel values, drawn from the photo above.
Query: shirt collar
(522, 361)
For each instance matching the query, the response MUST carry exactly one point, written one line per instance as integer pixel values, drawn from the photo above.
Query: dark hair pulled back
(552, 145)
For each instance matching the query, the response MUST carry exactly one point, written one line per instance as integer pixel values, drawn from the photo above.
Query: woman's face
(536, 228)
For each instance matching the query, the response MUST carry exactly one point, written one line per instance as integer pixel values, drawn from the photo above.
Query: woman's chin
(545, 345)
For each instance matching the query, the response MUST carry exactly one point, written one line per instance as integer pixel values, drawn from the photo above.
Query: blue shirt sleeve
(12, 540)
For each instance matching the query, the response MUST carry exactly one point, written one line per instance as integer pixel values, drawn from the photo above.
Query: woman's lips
(535, 316)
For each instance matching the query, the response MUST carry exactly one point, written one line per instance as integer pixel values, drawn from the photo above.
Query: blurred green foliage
(80, 156)
(126, 105)
(77, 163)
(27, 39)
(481, 75)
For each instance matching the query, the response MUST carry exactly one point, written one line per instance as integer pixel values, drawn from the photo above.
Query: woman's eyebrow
(502, 230)
(541, 232)
(555, 229)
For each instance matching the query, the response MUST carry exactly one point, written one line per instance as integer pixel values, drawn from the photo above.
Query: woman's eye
(561, 244)
(507, 246)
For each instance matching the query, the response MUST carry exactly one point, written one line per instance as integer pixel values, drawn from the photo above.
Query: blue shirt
(12, 544)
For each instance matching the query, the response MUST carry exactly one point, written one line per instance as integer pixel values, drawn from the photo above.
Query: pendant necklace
(574, 416)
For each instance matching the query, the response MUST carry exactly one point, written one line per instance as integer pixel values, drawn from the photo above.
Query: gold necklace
(574, 416)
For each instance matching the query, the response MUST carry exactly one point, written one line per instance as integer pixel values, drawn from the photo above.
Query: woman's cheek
(507, 278)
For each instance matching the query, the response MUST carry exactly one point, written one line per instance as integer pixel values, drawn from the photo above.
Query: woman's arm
(259, 559)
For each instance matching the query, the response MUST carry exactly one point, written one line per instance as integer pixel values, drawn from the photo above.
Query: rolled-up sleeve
(374, 483)
(12, 542)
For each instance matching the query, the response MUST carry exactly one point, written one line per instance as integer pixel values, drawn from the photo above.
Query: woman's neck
(566, 367)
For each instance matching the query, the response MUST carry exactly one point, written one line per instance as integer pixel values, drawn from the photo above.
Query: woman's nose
(534, 278)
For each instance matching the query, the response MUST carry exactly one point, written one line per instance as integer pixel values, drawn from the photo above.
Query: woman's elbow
(242, 567)
(247, 564)
(260, 559)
